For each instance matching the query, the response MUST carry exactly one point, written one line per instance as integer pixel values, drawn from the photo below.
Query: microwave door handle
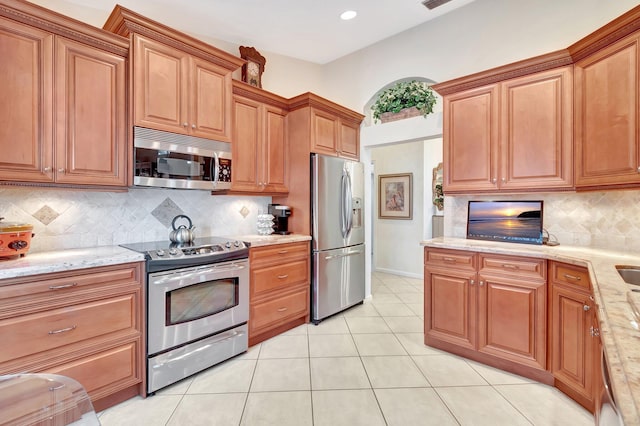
(216, 169)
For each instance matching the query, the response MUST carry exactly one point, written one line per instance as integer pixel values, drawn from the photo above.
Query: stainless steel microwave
(169, 160)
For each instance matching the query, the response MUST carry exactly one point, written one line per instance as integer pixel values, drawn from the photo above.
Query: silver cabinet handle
(58, 287)
(60, 170)
(193, 126)
(282, 309)
(509, 266)
(586, 307)
(282, 277)
(185, 124)
(62, 330)
(481, 283)
(472, 282)
(449, 259)
(504, 180)
(283, 252)
(494, 180)
(47, 169)
(572, 277)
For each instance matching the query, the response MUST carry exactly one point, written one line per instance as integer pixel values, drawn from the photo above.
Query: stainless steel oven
(197, 306)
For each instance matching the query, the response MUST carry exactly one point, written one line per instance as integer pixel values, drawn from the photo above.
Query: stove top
(165, 255)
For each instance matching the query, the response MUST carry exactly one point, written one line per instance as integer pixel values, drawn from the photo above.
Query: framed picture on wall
(395, 196)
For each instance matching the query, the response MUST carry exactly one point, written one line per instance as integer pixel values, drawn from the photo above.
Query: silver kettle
(182, 234)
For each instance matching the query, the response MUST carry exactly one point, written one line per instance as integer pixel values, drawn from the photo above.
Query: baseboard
(401, 273)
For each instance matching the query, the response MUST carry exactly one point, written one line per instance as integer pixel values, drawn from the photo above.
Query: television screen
(506, 221)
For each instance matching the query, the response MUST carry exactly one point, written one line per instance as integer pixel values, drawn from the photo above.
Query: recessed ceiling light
(349, 14)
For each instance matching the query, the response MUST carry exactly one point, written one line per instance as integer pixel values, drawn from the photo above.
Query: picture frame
(395, 196)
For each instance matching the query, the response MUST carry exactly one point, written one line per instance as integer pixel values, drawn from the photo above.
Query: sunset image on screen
(514, 221)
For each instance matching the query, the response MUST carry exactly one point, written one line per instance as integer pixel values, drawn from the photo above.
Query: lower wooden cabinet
(85, 324)
(490, 308)
(574, 334)
(279, 293)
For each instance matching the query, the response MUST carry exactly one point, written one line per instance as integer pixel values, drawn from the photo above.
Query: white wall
(396, 243)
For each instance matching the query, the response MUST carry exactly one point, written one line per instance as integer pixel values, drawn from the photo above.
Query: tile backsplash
(607, 220)
(65, 219)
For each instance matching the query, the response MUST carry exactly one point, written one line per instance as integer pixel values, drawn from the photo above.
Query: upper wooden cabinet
(180, 84)
(513, 135)
(64, 102)
(607, 112)
(260, 150)
(329, 128)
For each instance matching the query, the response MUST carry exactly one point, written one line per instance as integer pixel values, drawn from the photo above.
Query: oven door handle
(179, 276)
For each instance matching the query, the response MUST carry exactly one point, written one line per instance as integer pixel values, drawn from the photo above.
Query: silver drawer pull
(58, 287)
(283, 252)
(282, 309)
(62, 330)
(571, 277)
(509, 266)
(282, 277)
(449, 259)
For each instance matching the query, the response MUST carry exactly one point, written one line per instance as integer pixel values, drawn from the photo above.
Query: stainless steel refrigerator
(337, 192)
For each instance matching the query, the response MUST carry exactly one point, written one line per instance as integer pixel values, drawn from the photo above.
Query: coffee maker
(280, 218)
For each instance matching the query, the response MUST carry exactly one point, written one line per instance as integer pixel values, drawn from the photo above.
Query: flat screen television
(505, 221)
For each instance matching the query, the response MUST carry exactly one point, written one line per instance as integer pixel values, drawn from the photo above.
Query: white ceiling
(305, 29)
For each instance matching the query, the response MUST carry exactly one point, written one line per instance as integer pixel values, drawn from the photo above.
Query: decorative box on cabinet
(85, 324)
(490, 308)
(180, 84)
(574, 334)
(511, 135)
(279, 293)
(65, 122)
(260, 149)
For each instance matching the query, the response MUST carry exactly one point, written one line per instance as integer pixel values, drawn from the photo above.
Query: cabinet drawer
(522, 267)
(450, 258)
(66, 283)
(265, 279)
(115, 367)
(279, 253)
(272, 312)
(38, 332)
(572, 275)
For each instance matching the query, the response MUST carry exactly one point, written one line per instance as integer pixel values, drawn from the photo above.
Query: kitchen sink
(630, 274)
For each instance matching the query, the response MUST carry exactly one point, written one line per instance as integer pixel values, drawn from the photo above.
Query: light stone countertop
(619, 325)
(65, 260)
(267, 240)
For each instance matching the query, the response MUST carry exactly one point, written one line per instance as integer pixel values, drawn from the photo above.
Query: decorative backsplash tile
(608, 220)
(74, 219)
(46, 214)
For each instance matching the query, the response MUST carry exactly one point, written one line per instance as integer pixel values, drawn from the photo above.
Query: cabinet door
(450, 307)
(572, 344)
(210, 91)
(324, 133)
(606, 119)
(536, 131)
(349, 141)
(512, 320)
(90, 97)
(470, 134)
(274, 157)
(26, 110)
(160, 86)
(245, 147)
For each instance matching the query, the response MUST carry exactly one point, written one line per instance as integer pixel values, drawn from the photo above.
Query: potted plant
(402, 96)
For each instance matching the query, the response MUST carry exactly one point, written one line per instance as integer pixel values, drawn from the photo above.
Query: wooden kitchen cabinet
(176, 92)
(259, 149)
(65, 119)
(180, 84)
(574, 334)
(85, 324)
(512, 135)
(607, 113)
(327, 128)
(490, 308)
(279, 289)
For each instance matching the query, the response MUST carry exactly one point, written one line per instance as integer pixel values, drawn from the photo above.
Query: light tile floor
(366, 366)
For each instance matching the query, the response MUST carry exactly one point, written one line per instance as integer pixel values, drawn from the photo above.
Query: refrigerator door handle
(349, 204)
(346, 204)
(335, 256)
